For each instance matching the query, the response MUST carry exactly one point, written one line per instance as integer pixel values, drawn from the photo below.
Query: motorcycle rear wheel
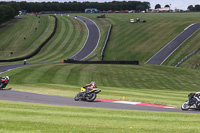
(1, 86)
(185, 105)
(91, 97)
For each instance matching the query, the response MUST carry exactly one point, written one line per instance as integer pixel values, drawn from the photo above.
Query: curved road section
(160, 57)
(92, 39)
(67, 101)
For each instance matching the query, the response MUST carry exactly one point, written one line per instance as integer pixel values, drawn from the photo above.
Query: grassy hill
(12, 37)
(145, 83)
(27, 117)
(140, 41)
(69, 39)
(149, 83)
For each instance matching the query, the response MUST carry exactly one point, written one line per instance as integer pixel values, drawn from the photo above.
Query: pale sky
(180, 4)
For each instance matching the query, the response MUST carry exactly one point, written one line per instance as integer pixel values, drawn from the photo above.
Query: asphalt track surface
(6, 68)
(66, 101)
(92, 39)
(160, 57)
(12, 22)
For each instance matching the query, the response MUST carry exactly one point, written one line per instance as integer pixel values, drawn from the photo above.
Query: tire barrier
(106, 42)
(38, 49)
(100, 62)
(186, 57)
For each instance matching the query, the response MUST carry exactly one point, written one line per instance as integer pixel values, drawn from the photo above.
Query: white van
(132, 21)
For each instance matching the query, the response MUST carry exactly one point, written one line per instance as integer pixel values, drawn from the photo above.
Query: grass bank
(149, 83)
(46, 118)
(140, 41)
(23, 37)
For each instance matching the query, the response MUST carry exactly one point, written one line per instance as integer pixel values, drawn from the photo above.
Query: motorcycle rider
(4, 81)
(90, 86)
(194, 97)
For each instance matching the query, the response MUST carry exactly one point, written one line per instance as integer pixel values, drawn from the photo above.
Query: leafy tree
(166, 5)
(15, 6)
(157, 6)
(9, 12)
(140, 8)
(76, 6)
(2, 13)
(197, 8)
(191, 8)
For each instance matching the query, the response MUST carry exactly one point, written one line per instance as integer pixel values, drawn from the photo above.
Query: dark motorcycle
(193, 102)
(3, 82)
(90, 97)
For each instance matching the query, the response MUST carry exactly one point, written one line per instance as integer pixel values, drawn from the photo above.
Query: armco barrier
(100, 62)
(106, 42)
(38, 49)
(186, 57)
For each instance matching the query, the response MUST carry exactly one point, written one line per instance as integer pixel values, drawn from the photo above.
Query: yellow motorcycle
(90, 96)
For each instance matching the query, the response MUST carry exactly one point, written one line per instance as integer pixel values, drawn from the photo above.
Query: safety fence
(38, 49)
(100, 62)
(186, 57)
(106, 42)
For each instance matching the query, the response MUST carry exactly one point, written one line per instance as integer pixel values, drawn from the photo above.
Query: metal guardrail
(186, 57)
(106, 42)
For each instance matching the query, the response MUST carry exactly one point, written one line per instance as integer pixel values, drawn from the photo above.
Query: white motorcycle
(193, 102)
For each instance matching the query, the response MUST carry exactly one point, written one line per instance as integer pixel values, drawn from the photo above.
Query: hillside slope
(140, 41)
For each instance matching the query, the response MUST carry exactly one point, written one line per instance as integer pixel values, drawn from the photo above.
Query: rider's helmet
(7, 77)
(93, 83)
(196, 94)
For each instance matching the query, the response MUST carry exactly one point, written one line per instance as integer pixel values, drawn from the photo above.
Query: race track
(67, 101)
(160, 57)
(12, 22)
(90, 45)
(92, 39)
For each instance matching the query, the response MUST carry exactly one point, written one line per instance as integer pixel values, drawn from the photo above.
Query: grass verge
(48, 118)
(149, 83)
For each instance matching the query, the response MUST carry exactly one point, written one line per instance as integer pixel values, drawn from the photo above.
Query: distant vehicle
(132, 21)
(91, 10)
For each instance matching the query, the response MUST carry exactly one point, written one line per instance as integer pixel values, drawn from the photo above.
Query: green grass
(68, 40)
(141, 41)
(128, 41)
(12, 37)
(144, 83)
(148, 83)
(50, 119)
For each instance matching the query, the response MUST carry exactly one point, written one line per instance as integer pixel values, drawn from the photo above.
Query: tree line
(8, 10)
(81, 6)
(191, 8)
(195, 8)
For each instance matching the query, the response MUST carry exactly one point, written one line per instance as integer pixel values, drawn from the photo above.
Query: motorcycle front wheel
(91, 97)
(185, 105)
(77, 97)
